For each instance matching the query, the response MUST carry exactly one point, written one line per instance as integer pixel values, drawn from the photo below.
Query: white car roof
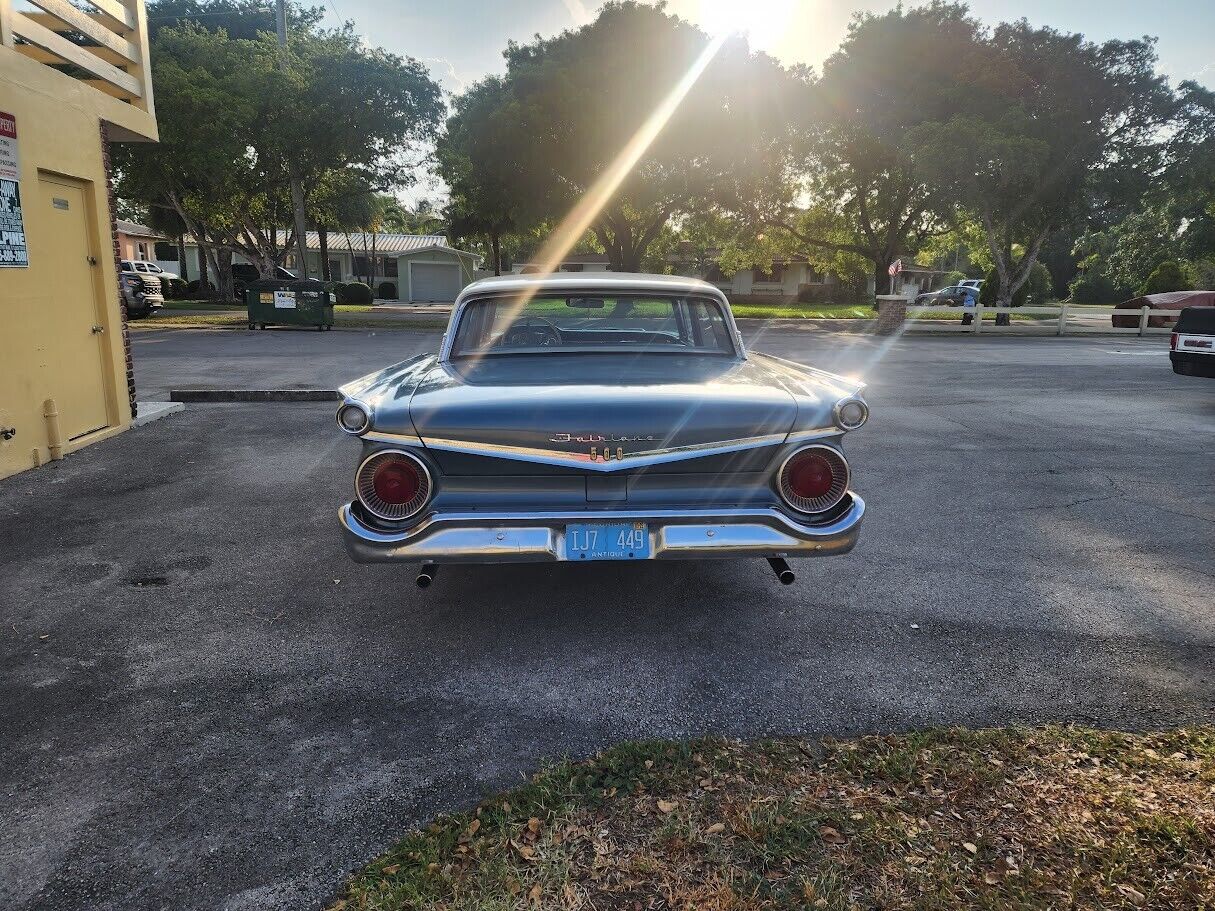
(567, 282)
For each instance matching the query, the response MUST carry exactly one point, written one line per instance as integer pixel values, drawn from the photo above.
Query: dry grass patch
(998, 819)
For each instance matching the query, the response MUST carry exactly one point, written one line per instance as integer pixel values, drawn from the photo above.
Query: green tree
(475, 157)
(1170, 275)
(1042, 116)
(234, 18)
(849, 156)
(233, 122)
(526, 147)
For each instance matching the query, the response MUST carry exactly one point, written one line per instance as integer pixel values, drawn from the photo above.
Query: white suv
(146, 268)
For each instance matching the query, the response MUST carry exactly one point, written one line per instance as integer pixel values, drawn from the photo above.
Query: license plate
(619, 541)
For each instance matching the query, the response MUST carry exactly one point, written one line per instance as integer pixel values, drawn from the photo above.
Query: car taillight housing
(813, 479)
(393, 485)
(1173, 341)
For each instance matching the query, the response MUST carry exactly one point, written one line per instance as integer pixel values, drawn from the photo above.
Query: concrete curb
(253, 395)
(154, 411)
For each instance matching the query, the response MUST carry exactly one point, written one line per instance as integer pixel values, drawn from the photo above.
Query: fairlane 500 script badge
(605, 439)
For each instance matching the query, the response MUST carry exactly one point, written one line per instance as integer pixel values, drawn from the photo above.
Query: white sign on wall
(9, 165)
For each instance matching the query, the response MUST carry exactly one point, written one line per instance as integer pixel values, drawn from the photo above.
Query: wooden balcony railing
(105, 47)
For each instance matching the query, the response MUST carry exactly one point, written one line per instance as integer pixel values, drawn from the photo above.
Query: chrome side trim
(583, 459)
(397, 439)
(816, 433)
(524, 537)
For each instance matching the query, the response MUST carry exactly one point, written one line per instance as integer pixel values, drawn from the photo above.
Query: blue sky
(462, 40)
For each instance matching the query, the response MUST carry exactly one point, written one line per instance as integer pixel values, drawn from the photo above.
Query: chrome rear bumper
(523, 537)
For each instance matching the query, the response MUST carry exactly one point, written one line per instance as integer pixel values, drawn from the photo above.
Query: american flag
(895, 268)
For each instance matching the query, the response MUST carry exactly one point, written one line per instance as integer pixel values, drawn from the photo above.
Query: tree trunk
(202, 265)
(301, 221)
(495, 244)
(181, 258)
(266, 265)
(323, 236)
(223, 269)
(883, 281)
(371, 283)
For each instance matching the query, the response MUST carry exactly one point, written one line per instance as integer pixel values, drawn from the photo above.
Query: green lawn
(344, 318)
(999, 819)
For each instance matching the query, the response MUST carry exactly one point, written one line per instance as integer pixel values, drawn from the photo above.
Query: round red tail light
(393, 485)
(814, 479)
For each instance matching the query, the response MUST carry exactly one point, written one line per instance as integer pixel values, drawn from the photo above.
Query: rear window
(1198, 320)
(588, 323)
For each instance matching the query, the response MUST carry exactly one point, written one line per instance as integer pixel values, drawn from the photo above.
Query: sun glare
(764, 22)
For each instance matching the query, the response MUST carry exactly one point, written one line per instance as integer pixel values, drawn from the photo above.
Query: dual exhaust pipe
(426, 575)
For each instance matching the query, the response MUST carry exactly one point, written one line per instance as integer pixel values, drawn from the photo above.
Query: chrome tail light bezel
(364, 486)
(841, 476)
(837, 413)
(349, 406)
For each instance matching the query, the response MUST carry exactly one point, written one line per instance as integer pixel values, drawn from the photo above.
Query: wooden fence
(1066, 320)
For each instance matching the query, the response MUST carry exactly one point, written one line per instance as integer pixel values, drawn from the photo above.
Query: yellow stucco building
(65, 373)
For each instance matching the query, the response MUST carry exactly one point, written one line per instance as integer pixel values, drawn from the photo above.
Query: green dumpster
(278, 302)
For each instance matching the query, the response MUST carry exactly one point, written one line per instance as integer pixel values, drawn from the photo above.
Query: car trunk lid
(596, 412)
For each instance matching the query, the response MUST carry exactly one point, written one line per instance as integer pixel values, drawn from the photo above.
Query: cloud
(578, 11)
(457, 84)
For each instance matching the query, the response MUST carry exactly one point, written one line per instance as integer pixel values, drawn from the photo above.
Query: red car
(1172, 300)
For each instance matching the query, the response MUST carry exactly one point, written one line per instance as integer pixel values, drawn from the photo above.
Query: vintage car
(599, 417)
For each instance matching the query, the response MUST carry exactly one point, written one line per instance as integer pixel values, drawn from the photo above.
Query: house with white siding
(407, 267)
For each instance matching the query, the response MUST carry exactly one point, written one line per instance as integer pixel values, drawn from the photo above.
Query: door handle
(7, 433)
(98, 329)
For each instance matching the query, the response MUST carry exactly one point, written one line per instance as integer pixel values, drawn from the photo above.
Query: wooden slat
(43, 56)
(112, 90)
(73, 53)
(118, 13)
(87, 25)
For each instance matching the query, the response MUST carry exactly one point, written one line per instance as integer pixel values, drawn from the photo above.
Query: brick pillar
(122, 304)
(892, 313)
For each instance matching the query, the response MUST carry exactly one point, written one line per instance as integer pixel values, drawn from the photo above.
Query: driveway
(207, 706)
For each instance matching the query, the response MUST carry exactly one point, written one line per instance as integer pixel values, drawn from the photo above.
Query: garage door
(434, 281)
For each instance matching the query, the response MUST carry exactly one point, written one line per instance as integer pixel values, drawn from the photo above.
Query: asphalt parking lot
(207, 706)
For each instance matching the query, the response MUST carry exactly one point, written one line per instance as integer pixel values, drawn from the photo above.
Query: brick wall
(892, 313)
(122, 305)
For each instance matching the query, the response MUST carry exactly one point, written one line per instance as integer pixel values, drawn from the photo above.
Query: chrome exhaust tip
(426, 575)
(782, 570)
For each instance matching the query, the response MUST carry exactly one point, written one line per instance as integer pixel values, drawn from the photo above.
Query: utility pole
(297, 188)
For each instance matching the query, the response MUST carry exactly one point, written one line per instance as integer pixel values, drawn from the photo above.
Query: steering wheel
(529, 335)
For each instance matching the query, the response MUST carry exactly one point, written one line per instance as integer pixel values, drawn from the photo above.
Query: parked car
(976, 283)
(245, 274)
(141, 292)
(1192, 345)
(1171, 300)
(146, 268)
(599, 416)
(953, 296)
